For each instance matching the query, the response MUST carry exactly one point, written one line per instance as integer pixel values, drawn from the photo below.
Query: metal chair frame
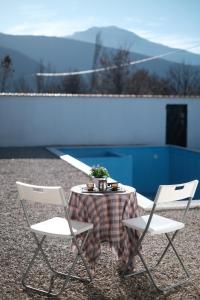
(137, 250)
(39, 242)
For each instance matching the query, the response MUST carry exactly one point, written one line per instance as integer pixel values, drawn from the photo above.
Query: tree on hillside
(142, 82)
(73, 84)
(184, 80)
(40, 80)
(139, 83)
(21, 86)
(114, 80)
(6, 71)
(97, 51)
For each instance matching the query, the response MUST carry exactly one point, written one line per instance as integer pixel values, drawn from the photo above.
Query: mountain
(61, 55)
(23, 65)
(115, 37)
(65, 54)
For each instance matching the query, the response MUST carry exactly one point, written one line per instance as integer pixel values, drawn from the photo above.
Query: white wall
(82, 120)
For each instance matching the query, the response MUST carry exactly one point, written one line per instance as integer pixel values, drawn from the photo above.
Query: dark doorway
(176, 127)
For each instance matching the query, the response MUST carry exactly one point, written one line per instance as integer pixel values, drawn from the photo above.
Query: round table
(106, 211)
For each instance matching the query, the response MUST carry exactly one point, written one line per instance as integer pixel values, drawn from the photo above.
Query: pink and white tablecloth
(106, 211)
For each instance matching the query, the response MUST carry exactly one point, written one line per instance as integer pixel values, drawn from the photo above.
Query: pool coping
(71, 160)
(147, 204)
(143, 202)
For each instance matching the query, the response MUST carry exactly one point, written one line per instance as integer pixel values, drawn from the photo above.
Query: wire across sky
(114, 66)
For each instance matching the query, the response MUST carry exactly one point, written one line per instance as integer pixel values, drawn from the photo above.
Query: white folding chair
(155, 224)
(61, 227)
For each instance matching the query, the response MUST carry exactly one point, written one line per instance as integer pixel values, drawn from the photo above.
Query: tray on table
(109, 190)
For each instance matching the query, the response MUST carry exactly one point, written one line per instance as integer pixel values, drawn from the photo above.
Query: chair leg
(55, 273)
(145, 270)
(175, 251)
(148, 270)
(80, 252)
(31, 262)
(165, 250)
(162, 255)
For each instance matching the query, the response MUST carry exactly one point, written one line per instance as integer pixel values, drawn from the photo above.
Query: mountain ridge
(64, 54)
(115, 37)
(61, 54)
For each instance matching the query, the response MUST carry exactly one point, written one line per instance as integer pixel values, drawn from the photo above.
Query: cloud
(178, 41)
(34, 19)
(50, 28)
(170, 40)
(143, 33)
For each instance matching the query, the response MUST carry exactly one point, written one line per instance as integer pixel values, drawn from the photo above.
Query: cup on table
(114, 186)
(90, 186)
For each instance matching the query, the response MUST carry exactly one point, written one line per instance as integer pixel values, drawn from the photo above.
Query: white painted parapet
(48, 120)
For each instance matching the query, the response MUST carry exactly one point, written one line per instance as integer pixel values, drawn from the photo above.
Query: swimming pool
(143, 167)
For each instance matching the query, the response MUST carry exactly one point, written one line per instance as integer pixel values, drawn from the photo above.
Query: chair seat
(158, 224)
(58, 226)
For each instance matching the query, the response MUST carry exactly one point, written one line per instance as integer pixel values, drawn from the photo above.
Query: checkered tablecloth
(106, 211)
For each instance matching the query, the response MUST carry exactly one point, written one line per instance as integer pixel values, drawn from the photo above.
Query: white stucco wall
(82, 120)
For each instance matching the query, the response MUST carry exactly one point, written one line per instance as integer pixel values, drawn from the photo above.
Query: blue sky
(174, 23)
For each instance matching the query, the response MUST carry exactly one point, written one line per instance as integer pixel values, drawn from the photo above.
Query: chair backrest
(169, 193)
(46, 195)
(53, 195)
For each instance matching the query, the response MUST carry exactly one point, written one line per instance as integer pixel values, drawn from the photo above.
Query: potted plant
(99, 172)
(99, 175)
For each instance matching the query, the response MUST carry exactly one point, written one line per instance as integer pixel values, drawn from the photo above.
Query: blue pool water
(143, 167)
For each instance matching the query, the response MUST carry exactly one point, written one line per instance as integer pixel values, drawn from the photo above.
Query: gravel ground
(38, 166)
